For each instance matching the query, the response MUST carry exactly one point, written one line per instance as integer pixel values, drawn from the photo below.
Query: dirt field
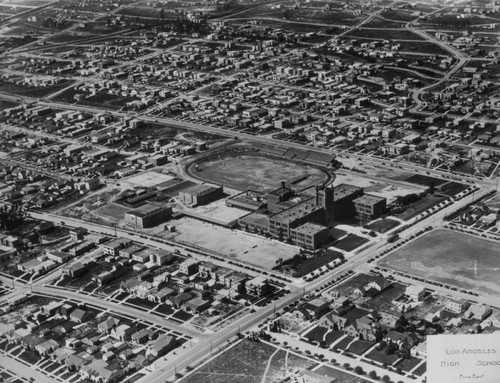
(448, 257)
(237, 244)
(246, 363)
(257, 173)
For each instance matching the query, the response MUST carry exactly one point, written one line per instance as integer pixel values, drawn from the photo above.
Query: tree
(386, 378)
(11, 216)
(372, 374)
(358, 370)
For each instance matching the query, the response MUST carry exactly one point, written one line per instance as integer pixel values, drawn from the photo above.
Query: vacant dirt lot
(236, 244)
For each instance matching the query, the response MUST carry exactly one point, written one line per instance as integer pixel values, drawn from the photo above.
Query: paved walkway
(294, 345)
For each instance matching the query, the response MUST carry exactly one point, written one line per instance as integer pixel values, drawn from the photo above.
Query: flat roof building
(343, 196)
(201, 194)
(309, 236)
(148, 215)
(370, 206)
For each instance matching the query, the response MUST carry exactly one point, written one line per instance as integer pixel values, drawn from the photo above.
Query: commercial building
(310, 236)
(148, 216)
(370, 206)
(201, 194)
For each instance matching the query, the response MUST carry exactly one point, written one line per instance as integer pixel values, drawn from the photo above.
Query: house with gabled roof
(79, 315)
(108, 324)
(46, 347)
(122, 332)
(161, 346)
(142, 336)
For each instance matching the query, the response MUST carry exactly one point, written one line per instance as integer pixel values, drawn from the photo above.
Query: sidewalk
(293, 343)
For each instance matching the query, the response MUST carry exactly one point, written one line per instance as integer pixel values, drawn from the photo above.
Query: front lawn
(381, 357)
(316, 334)
(359, 347)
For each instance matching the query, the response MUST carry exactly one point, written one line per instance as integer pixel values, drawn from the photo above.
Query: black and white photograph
(249, 191)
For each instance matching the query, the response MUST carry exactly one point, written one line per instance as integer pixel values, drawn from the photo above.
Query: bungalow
(75, 270)
(197, 304)
(102, 372)
(178, 300)
(79, 315)
(375, 286)
(162, 295)
(161, 346)
(46, 347)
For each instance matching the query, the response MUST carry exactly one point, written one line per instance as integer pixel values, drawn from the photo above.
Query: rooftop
(345, 190)
(200, 190)
(310, 228)
(295, 212)
(368, 199)
(146, 210)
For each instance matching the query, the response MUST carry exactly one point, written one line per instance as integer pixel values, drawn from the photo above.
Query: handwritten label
(463, 358)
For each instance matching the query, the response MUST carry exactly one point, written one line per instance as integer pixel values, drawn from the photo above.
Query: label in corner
(461, 358)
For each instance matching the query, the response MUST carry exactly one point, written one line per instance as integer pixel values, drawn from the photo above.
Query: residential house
(79, 315)
(161, 346)
(108, 324)
(142, 336)
(122, 332)
(316, 307)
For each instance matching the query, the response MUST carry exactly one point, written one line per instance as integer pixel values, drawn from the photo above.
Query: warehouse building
(148, 215)
(201, 194)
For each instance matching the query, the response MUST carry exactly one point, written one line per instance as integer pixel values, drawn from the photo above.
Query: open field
(392, 34)
(258, 251)
(32, 91)
(112, 212)
(448, 257)
(7, 105)
(260, 173)
(246, 363)
(339, 376)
